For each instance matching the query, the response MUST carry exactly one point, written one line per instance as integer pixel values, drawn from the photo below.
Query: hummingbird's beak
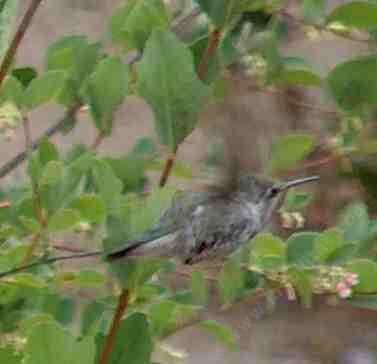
(300, 181)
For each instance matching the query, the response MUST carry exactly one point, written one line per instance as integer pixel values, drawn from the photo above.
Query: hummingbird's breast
(218, 228)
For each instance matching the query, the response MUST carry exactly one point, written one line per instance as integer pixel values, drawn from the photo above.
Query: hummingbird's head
(265, 195)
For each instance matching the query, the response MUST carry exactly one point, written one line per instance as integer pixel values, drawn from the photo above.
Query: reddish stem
(110, 339)
(167, 169)
(209, 53)
(17, 39)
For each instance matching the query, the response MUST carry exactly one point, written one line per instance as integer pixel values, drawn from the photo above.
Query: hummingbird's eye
(272, 192)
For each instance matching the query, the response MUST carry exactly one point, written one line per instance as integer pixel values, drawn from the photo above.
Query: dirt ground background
(290, 334)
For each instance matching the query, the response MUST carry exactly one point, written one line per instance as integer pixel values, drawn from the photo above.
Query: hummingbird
(204, 225)
(201, 225)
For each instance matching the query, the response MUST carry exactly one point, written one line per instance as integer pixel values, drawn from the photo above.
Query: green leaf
(296, 72)
(199, 288)
(44, 89)
(61, 308)
(290, 150)
(296, 201)
(8, 354)
(12, 91)
(169, 84)
(136, 272)
(131, 171)
(367, 273)
(302, 281)
(354, 222)
(132, 24)
(223, 12)
(77, 58)
(108, 185)
(52, 173)
(65, 191)
(267, 262)
(12, 257)
(106, 89)
(61, 54)
(25, 75)
(313, 10)
(230, 282)
(34, 168)
(91, 208)
(28, 280)
(47, 152)
(221, 332)
(90, 278)
(301, 248)
(364, 301)
(144, 147)
(327, 244)
(343, 254)
(63, 219)
(353, 83)
(133, 344)
(267, 244)
(35, 319)
(356, 14)
(166, 315)
(140, 214)
(90, 317)
(49, 343)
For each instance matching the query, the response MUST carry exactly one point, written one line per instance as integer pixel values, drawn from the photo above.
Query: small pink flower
(343, 290)
(351, 279)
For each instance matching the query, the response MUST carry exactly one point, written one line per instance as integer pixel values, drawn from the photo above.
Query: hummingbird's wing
(161, 235)
(218, 229)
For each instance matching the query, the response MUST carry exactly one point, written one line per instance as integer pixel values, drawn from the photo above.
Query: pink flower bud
(343, 290)
(351, 279)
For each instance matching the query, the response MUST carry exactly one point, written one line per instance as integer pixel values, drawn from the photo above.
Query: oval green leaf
(356, 14)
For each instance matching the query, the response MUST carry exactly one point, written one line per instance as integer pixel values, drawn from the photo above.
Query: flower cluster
(344, 287)
(336, 280)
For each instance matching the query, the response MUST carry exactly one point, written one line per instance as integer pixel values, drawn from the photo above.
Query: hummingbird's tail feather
(123, 252)
(159, 246)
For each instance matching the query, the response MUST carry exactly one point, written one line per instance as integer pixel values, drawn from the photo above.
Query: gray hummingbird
(202, 225)
(205, 225)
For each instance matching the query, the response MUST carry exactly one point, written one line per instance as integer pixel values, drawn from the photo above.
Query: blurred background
(289, 333)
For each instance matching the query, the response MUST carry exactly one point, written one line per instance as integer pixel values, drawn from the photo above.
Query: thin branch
(13, 163)
(110, 339)
(167, 169)
(49, 261)
(17, 39)
(213, 43)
